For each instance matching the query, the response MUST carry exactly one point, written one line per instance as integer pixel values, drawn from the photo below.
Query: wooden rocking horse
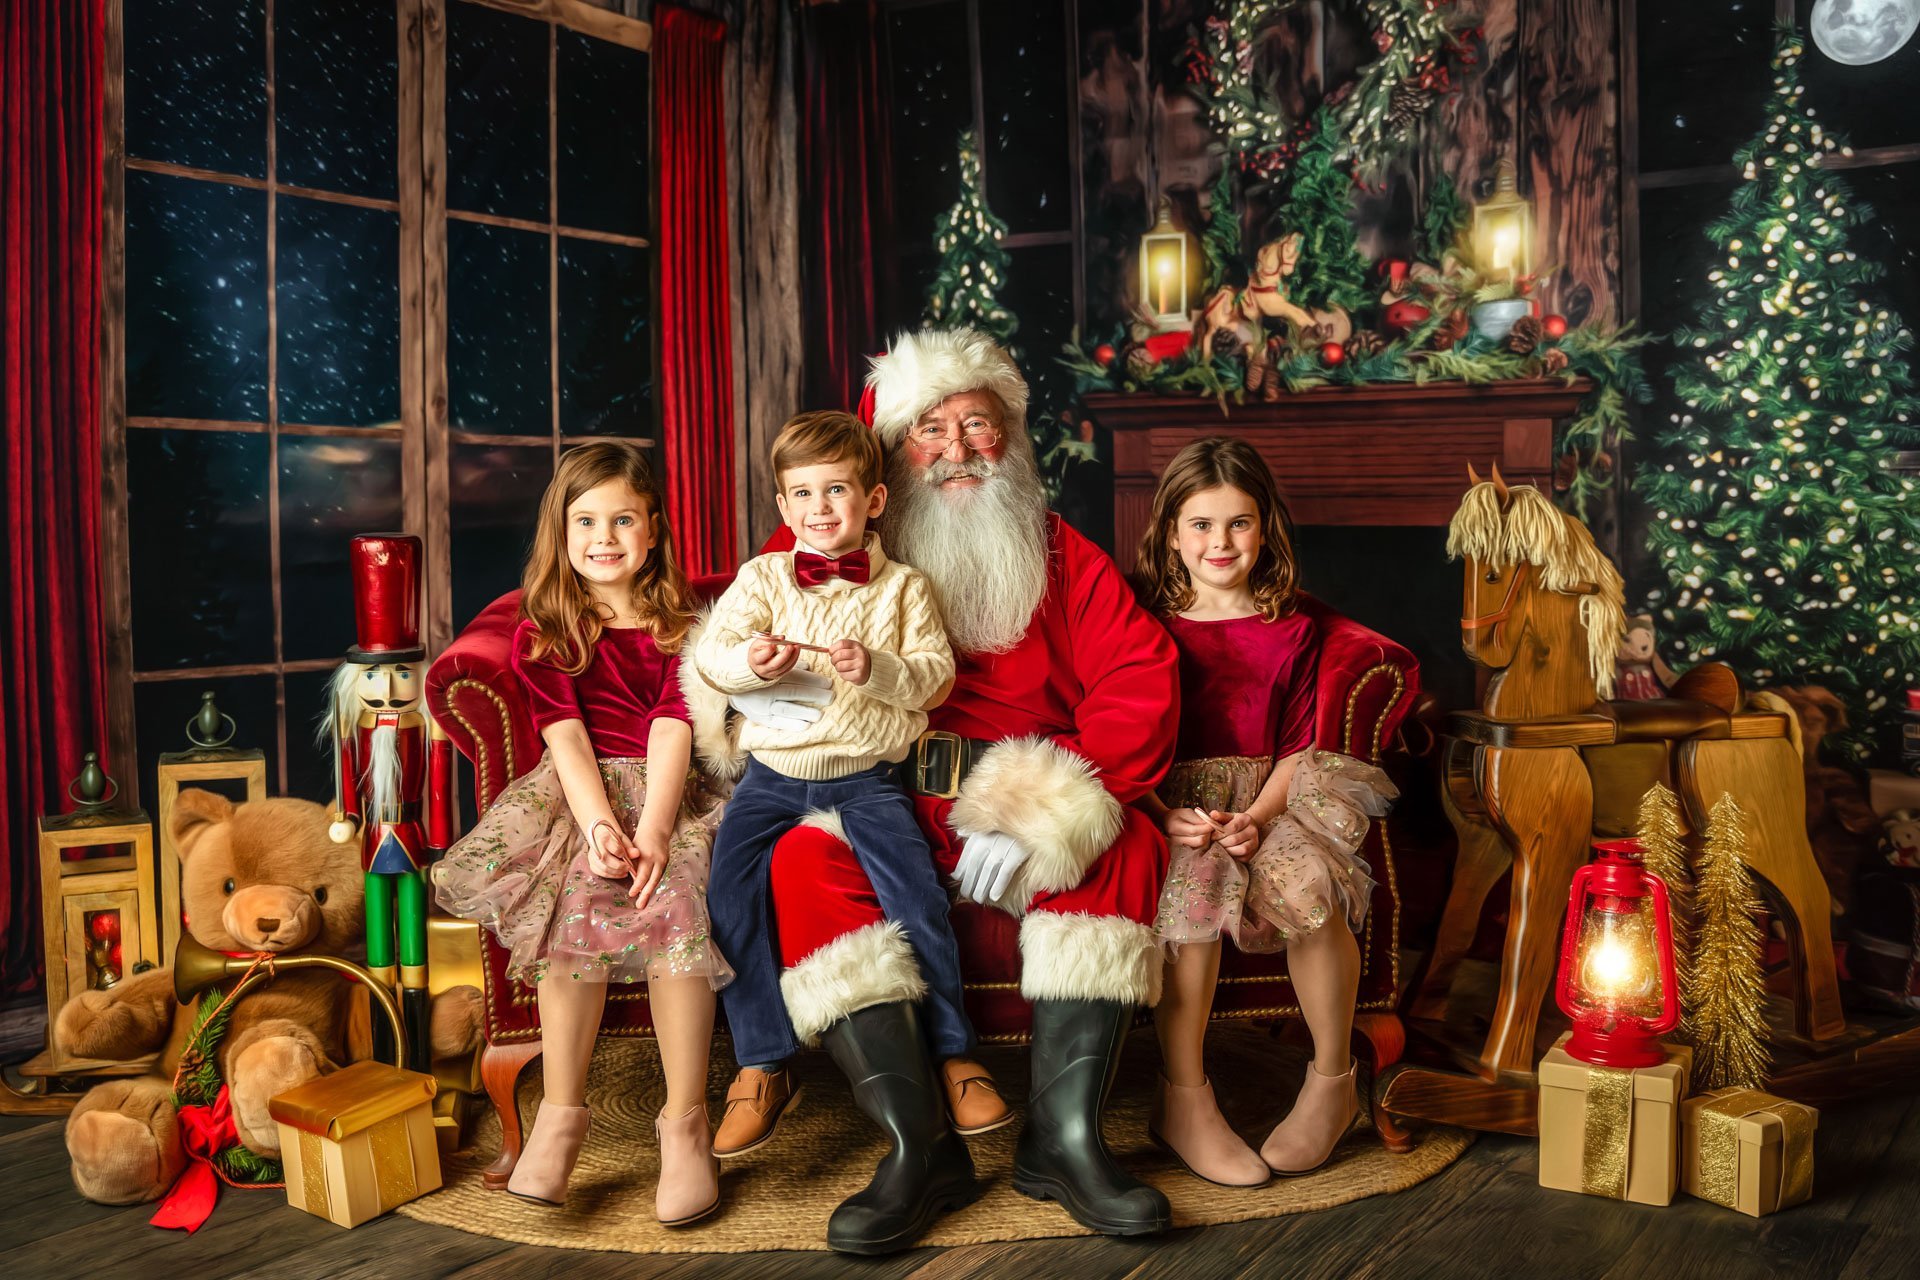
(1244, 312)
(1547, 765)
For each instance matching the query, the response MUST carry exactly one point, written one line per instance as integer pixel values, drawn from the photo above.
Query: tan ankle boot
(689, 1187)
(547, 1161)
(1186, 1120)
(1322, 1115)
(755, 1103)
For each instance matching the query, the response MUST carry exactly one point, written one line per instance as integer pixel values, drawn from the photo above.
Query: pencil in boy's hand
(774, 639)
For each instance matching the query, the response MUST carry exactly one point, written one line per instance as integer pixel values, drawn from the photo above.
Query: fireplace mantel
(1384, 454)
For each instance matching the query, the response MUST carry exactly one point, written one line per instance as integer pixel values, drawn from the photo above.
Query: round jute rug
(780, 1196)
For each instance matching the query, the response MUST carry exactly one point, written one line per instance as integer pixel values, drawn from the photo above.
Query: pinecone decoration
(1552, 361)
(1451, 330)
(1526, 334)
(1137, 361)
(1406, 105)
(1364, 342)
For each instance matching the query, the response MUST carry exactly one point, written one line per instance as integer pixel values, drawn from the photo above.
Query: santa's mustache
(941, 470)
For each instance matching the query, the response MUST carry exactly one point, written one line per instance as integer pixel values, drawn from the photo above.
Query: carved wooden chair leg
(1764, 775)
(1543, 800)
(1380, 1039)
(500, 1068)
(1484, 856)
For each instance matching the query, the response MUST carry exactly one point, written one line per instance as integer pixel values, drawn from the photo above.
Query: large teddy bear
(260, 876)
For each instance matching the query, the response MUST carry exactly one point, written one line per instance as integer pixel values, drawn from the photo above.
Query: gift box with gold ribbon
(1747, 1150)
(1611, 1132)
(359, 1142)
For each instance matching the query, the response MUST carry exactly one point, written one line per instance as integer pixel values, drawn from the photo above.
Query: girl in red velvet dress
(1263, 828)
(592, 868)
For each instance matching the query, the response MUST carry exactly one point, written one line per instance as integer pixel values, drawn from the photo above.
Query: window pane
(1676, 253)
(1024, 86)
(495, 495)
(161, 709)
(310, 766)
(1892, 238)
(197, 524)
(933, 101)
(330, 490)
(497, 330)
(604, 90)
(336, 91)
(1039, 291)
(606, 340)
(196, 84)
(1871, 104)
(496, 112)
(1703, 79)
(196, 299)
(338, 284)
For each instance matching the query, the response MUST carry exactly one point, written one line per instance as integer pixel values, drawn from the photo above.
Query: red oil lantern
(1616, 961)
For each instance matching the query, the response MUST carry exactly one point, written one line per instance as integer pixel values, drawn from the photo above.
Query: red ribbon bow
(204, 1131)
(810, 568)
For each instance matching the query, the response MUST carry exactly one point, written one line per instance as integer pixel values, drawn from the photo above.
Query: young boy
(875, 631)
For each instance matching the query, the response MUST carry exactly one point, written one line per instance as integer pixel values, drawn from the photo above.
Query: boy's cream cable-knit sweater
(893, 614)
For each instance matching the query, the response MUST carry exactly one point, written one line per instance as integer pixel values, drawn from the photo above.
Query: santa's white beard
(984, 547)
(383, 771)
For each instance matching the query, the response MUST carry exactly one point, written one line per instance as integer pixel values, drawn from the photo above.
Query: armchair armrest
(1365, 687)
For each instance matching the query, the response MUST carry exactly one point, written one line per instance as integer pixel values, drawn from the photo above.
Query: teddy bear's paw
(456, 1021)
(124, 1141)
(262, 1070)
(94, 1024)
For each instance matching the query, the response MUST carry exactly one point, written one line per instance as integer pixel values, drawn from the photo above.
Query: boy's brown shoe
(973, 1100)
(755, 1103)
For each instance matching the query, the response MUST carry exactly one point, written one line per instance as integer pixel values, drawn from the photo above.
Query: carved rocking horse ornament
(1547, 765)
(1242, 313)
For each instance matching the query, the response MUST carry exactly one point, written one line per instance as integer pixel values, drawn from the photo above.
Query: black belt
(940, 762)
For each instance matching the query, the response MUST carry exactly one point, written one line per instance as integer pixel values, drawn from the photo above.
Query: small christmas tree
(1664, 854)
(1221, 240)
(1320, 207)
(973, 266)
(1725, 998)
(1788, 544)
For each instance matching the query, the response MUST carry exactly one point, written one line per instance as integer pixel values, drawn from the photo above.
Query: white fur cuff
(1088, 957)
(716, 732)
(1050, 800)
(872, 965)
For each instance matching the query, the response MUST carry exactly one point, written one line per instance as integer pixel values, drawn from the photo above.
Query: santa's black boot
(929, 1170)
(1062, 1155)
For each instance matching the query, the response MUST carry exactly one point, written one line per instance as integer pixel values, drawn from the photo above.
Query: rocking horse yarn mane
(1502, 526)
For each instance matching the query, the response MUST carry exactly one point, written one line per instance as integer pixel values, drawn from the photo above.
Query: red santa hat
(925, 368)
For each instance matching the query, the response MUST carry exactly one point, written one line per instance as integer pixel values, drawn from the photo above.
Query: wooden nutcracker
(394, 775)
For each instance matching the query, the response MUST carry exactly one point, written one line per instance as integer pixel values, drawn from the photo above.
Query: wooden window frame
(423, 430)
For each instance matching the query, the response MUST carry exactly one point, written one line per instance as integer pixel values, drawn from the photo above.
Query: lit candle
(1166, 274)
(1506, 247)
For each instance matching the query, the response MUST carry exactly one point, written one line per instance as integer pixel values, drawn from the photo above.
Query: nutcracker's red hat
(386, 598)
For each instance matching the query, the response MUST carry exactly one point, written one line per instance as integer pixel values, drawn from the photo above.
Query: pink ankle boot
(552, 1147)
(1186, 1120)
(689, 1187)
(1323, 1114)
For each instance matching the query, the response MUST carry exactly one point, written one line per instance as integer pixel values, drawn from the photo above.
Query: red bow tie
(810, 568)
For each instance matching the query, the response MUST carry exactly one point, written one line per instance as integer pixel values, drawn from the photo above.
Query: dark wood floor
(1485, 1216)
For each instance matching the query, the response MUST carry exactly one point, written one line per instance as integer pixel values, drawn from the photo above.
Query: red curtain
(846, 201)
(53, 703)
(696, 339)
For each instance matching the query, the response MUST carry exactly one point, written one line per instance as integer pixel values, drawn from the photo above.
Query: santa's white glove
(791, 702)
(988, 863)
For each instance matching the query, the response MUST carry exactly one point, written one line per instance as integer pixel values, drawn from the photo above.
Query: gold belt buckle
(955, 744)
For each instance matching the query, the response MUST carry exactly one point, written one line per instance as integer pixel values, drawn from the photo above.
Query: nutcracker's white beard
(983, 547)
(383, 772)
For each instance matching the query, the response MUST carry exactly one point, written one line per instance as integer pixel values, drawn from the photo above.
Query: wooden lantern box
(179, 769)
(97, 911)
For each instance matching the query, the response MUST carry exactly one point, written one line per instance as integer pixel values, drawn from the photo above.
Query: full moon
(1857, 32)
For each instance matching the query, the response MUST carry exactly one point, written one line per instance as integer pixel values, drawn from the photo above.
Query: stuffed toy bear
(1639, 674)
(1900, 838)
(260, 876)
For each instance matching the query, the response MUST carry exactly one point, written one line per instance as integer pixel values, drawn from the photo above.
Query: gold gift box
(1611, 1132)
(1748, 1150)
(358, 1142)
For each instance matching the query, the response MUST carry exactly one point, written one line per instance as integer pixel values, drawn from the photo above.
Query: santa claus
(1061, 717)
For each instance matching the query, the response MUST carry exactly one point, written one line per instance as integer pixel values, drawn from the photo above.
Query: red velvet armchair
(1367, 684)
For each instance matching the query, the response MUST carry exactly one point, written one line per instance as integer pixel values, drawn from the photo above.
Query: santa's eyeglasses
(934, 439)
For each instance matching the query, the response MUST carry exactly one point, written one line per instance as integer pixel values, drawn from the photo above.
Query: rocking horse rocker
(1548, 764)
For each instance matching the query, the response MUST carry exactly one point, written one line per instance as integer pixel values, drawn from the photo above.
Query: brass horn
(197, 966)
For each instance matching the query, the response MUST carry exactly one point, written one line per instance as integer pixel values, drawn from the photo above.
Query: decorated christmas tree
(1320, 207)
(1788, 545)
(973, 266)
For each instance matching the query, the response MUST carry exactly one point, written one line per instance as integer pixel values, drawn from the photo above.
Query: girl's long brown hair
(552, 594)
(1161, 578)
